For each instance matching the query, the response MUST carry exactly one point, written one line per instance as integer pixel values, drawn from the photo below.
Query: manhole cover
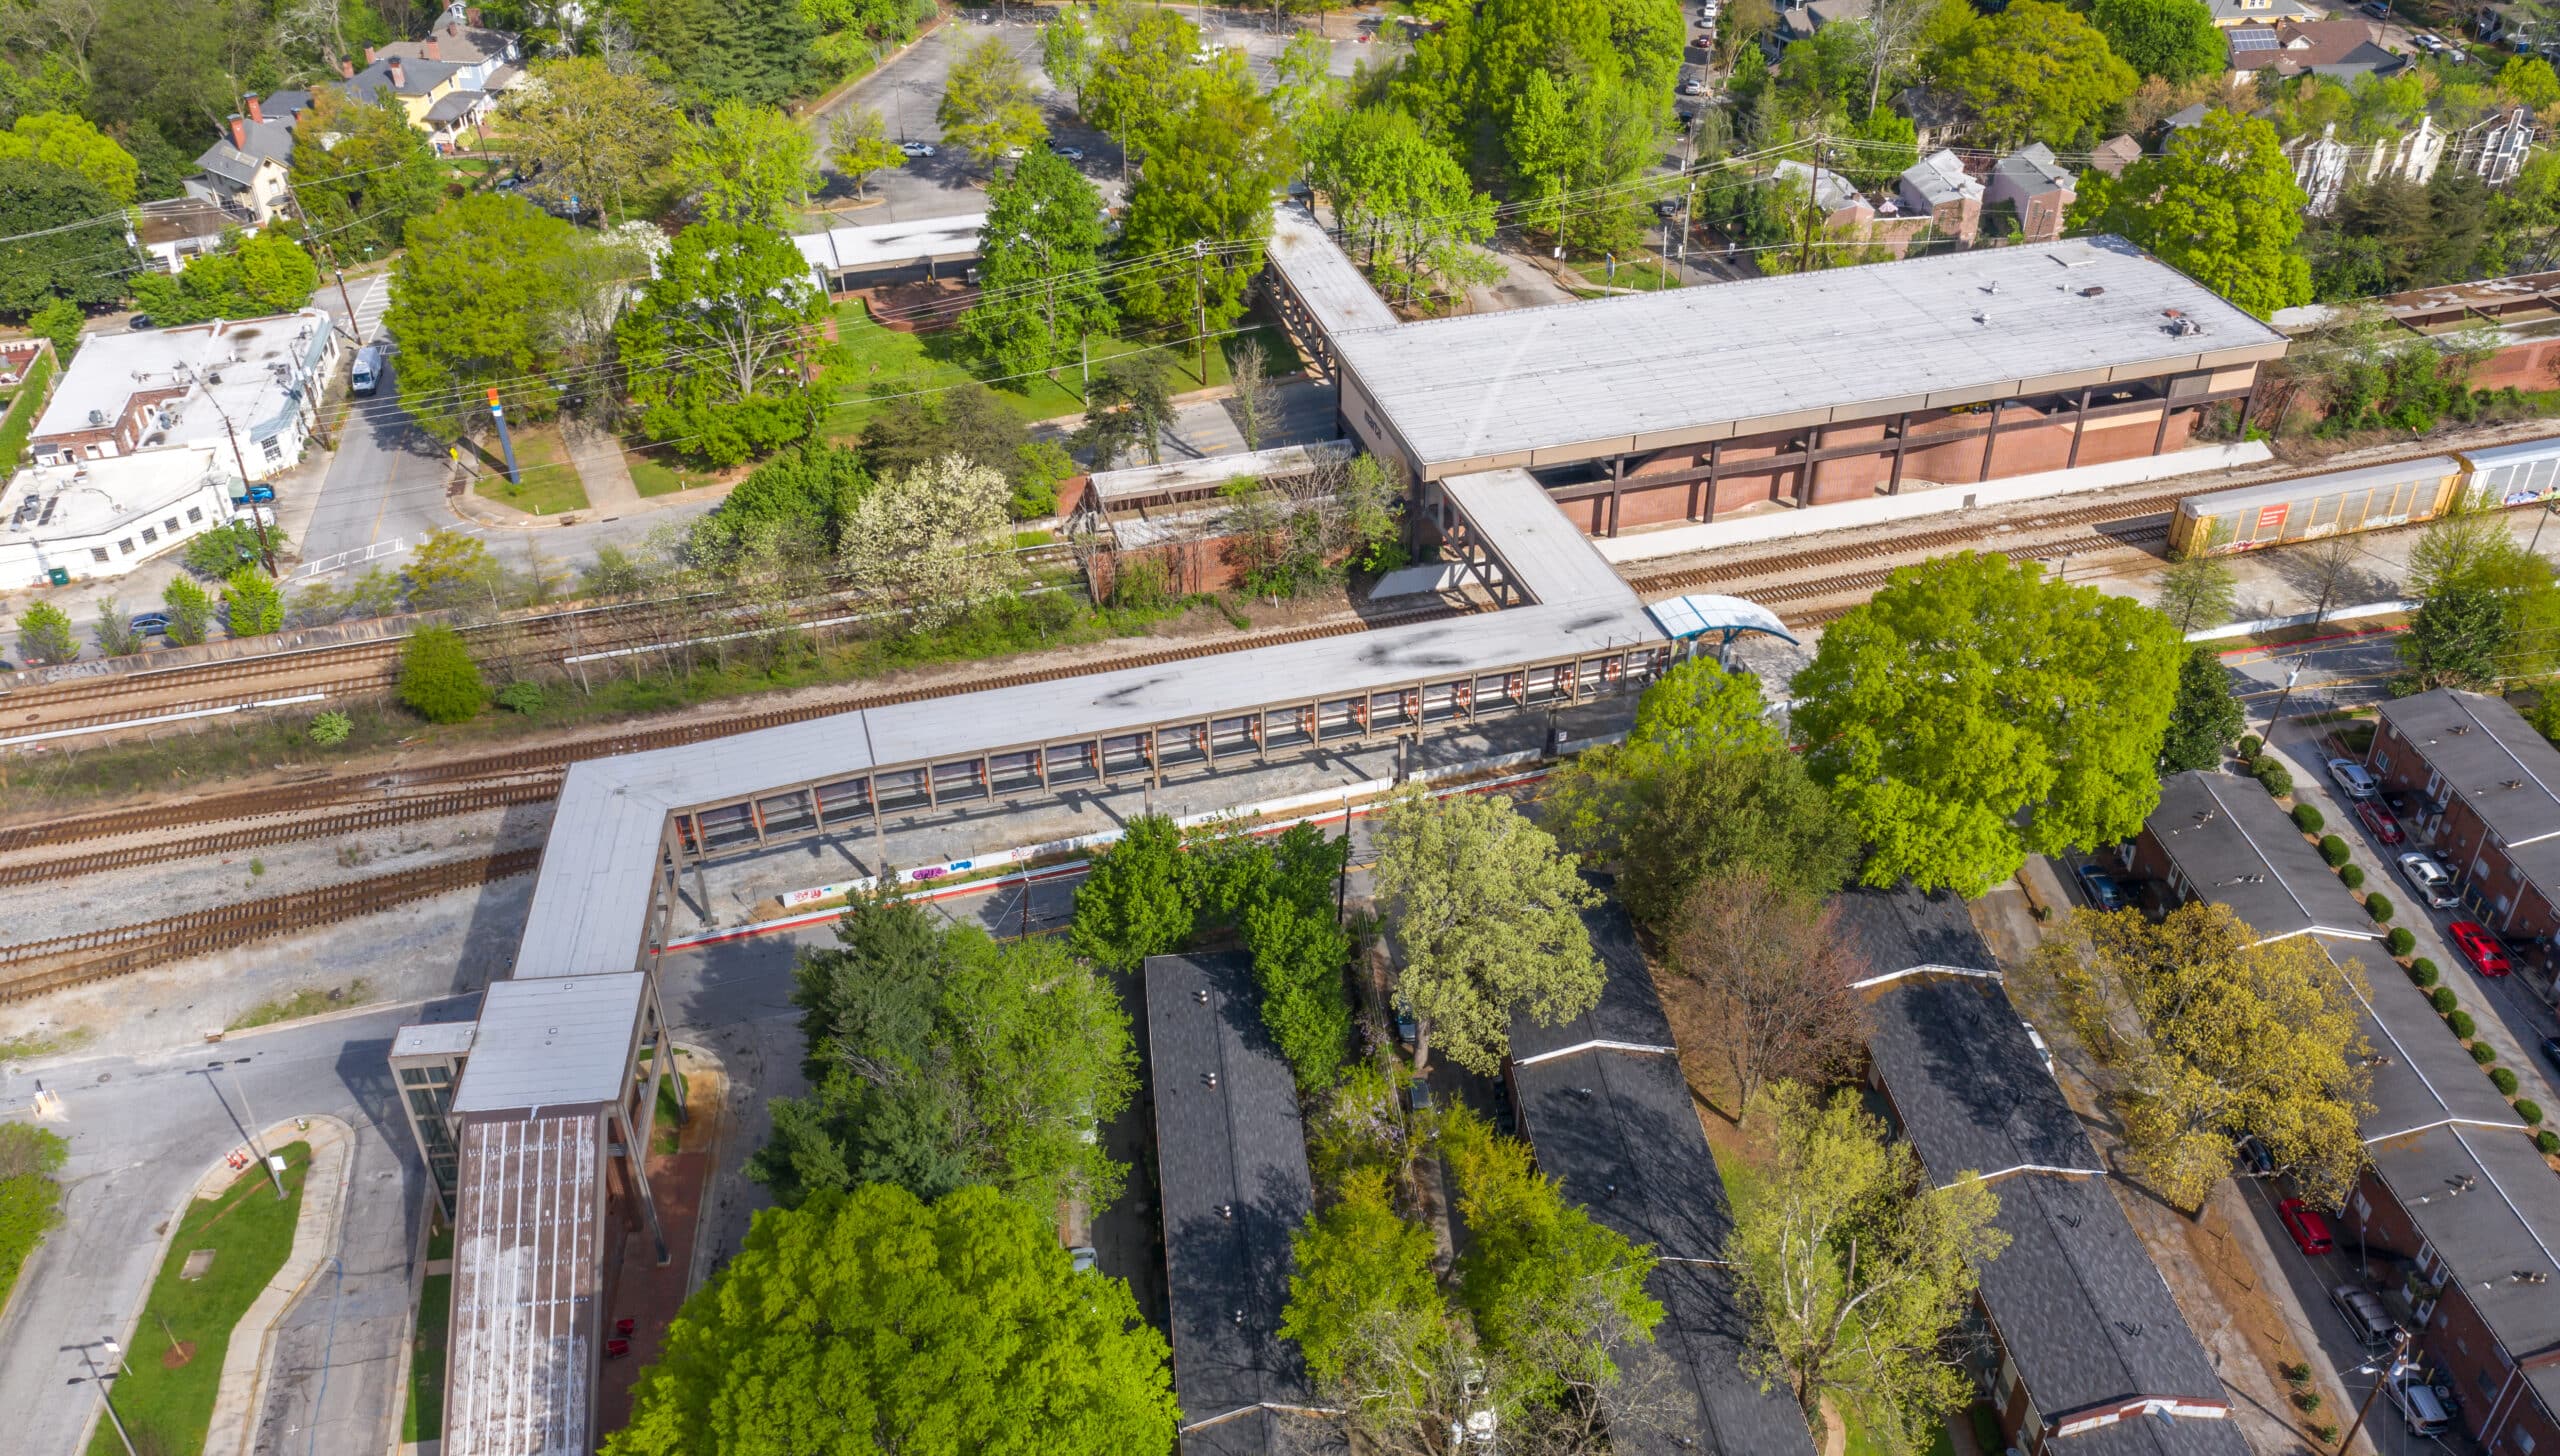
(197, 1262)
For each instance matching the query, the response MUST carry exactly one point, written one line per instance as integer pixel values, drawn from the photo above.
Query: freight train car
(2364, 499)
(2368, 498)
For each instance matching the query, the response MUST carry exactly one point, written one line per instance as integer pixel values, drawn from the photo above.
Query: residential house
(248, 387)
(2324, 166)
(1938, 187)
(2183, 119)
(248, 170)
(1603, 1104)
(1935, 116)
(2483, 791)
(2342, 50)
(175, 229)
(2218, 836)
(2228, 13)
(1231, 1159)
(2036, 187)
(2115, 154)
(2494, 149)
(1837, 198)
(1802, 22)
(2074, 1335)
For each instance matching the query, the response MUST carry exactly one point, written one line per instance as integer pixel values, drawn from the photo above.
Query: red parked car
(2479, 947)
(2379, 820)
(2310, 1231)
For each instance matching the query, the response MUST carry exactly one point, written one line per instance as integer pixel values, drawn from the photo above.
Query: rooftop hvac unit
(97, 418)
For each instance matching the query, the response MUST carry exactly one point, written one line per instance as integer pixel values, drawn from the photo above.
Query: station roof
(2494, 762)
(559, 1041)
(892, 244)
(1570, 381)
(434, 1039)
(2236, 848)
(2082, 1310)
(1231, 1158)
(1177, 478)
(1618, 1129)
(1324, 278)
(591, 903)
(528, 1271)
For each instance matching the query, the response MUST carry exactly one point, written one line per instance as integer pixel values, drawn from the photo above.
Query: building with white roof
(86, 520)
(247, 387)
(840, 255)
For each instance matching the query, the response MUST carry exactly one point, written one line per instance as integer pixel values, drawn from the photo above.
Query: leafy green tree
(438, 679)
(217, 553)
(2197, 591)
(1304, 90)
(472, 304)
(48, 83)
(71, 142)
(1202, 208)
(1280, 895)
(1485, 911)
(599, 131)
(1140, 64)
(2220, 204)
(1578, 147)
(1066, 50)
(1362, 1271)
(449, 570)
(2456, 639)
(362, 173)
(267, 273)
(1128, 406)
(2221, 1036)
(2205, 718)
(2531, 81)
(66, 240)
(709, 345)
(1550, 1288)
(970, 421)
(59, 320)
(861, 146)
(940, 1058)
(190, 612)
(2037, 70)
(988, 107)
(2489, 610)
(1402, 200)
(1973, 691)
(2175, 40)
(44, 635)
(959, 1328)
(750, 165)
(114, 630)
(755, 51)
(1139, 899)
(1703, 784)
(817, 483)
(1854, 1266)
(251, 605)
(1039, 277)
(172, 62)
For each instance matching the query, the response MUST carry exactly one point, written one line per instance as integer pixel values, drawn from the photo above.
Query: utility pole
(1200, 294)
(249, 1120)
(266, 548)
(2399, 1348)
(2278, 715)
(1813, 209)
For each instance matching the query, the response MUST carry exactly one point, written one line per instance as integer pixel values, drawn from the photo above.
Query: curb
(273, 1303)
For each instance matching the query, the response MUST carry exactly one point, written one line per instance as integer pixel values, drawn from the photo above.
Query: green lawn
(424, 1417)
(1638, 271)
(869, 365)
(653, 476)
(250, 1234)
(550, 483)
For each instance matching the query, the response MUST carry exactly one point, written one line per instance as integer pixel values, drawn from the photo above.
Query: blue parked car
(151, 624)
(2101, 888)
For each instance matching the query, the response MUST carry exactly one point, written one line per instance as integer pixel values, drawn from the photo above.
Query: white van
(367, 375)
(2418, 1405)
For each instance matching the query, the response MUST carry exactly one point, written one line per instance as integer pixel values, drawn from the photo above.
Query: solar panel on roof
(2259, 40)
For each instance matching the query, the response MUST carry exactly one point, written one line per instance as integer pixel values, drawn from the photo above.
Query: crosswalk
(371, 302)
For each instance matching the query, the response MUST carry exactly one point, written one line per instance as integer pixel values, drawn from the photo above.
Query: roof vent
(1226, 1210)
(97, 417)
(1208, 1079)
(2458, 729)
(2132, 1328)
(2512, 784)
(1201, 996)
(1981, 318)
(2093, 290)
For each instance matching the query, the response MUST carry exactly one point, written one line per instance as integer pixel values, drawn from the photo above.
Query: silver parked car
(2351, 777)
(2432, 881)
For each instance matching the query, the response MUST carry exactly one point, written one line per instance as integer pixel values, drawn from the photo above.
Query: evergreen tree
(2204, 718)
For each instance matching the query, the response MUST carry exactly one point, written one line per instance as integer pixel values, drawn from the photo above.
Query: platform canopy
(1724, 618)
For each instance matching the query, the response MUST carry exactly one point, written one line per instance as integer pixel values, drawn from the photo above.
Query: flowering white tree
(933, 539)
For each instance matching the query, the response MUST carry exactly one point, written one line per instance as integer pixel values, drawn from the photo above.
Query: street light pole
(2399, 1348)
(122, 1438)
(249, 1120)
(2278, 715)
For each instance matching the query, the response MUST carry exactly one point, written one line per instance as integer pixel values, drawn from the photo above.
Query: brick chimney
(472, 15)
(368, 55)
(240, 131)
(347, 69)
(453, 27)
(256, 112)
(429, 49)
(397, 81)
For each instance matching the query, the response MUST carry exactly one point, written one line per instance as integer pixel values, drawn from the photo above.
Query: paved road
(142, 1131)
(386, 483)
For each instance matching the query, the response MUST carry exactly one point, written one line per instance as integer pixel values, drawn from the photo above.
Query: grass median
(175, 1361)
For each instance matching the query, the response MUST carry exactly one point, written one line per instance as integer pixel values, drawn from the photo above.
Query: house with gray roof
(2074, 1335)
(1602, 1102)
(2217, 836)
(2031, 183)
(2483, 790)
(1938, 187)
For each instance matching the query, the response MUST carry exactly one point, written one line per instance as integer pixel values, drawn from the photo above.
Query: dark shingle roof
(2420, 1075)
(2082, 1311)
(2493, 761)
(2235, 847)
(1629, 1013)
(2486, 1203)
(1232, 1162)
(1618, 1129)
(455, 105)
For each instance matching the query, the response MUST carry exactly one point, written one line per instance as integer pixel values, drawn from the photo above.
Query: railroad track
(287, 826)
(38, 967)
(1924, 542)
(262, 808)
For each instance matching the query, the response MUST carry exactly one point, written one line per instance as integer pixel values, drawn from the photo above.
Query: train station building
(1786, 393)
